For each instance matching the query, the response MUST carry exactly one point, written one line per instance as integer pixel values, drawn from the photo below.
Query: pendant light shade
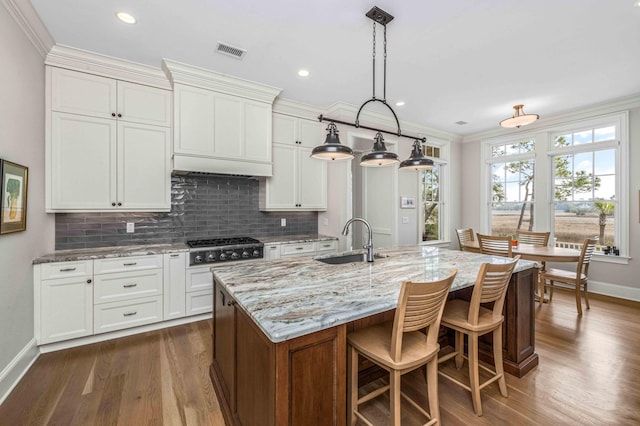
(379, 156)
(519, 118)
(332, 149)
(417, 161)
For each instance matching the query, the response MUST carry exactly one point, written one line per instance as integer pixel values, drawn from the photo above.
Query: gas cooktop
(214, 250)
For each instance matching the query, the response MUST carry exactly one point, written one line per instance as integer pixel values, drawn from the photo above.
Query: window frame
(445, 188)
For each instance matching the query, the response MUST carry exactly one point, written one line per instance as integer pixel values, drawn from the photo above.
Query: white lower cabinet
(199, 302)
(63, 301)
(174, 285)
(308, 248)
(199, 290)
(127, 313)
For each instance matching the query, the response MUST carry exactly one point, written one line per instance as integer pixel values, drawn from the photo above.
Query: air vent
(461, 123)
(227, 49)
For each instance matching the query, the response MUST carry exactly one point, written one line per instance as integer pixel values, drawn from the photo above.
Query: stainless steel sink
(348, 258)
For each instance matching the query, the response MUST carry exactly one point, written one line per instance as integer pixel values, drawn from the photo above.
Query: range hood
(222, 124)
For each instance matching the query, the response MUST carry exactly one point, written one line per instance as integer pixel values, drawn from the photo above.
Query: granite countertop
(293, 297)
(106, 252)
(295, 239)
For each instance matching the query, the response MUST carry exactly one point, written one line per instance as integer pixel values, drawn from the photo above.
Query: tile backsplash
(205, 206)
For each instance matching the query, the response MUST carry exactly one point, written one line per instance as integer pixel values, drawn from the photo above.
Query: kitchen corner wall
(202, 206)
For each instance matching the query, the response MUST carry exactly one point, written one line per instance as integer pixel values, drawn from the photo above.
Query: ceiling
(457, 60)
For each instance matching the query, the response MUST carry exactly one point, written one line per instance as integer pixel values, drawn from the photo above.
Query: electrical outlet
(283, 221)
(325, 222)
(405, 220)
(131, 227)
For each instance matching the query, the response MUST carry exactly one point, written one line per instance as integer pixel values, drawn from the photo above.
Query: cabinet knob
(113, 204)
(119, 115)
(119, 204)
(89, 281)
(113, 114)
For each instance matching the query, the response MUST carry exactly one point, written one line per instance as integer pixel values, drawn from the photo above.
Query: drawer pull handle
(130, 285)
(327, 245)
(130, 264)
(175, 255)
(128, 314)
(67, 269)
(299, 248)
(222, 302)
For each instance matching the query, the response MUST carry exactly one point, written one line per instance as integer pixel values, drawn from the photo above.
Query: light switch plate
(283, 221)
(405, 220)
(131, 227)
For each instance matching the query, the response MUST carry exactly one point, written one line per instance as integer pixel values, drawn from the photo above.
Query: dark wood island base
(303, 380)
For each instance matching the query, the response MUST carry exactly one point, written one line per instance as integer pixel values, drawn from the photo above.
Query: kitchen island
(279, 339)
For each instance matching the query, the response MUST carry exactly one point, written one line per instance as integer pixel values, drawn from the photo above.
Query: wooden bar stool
(402, 347)
(473, 320)
(536, 239)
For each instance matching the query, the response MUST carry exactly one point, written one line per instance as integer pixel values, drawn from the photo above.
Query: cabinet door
(144, 104)
(257, 130)
(285, 129)
(312, 178)
(282, 187)
(310, 133)
(224, 342)
(82, 163)
(144, 176)
(66, 309)
(174, 285)
(193, 120)
(81, 93)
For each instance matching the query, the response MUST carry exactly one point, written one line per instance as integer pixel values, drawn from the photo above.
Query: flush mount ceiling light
(126, 17)
(519, 118)
(379, 156)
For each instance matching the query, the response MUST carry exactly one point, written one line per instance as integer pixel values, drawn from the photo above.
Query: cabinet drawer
(50, 271)
(199, 279)
(119, 315)
(322, 246)
(122, 264)
(272, 251)
(127, 285)
(298, 249)
(200, 302)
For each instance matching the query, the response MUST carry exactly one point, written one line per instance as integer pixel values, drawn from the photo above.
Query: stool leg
(497, 358)
(394, 397)
(578, 299)
(586, 295)
(459, 358)
(474, 376)
(353, 385)
(432, 389)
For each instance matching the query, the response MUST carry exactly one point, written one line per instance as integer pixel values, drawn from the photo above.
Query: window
(585, 186)
(512, 187)
(571, 179)
(431, 204)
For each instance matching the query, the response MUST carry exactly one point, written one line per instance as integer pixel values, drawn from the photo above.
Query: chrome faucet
(369, 245)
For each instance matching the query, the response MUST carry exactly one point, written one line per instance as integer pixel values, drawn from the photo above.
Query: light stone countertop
(108, 252)
(298, 296)
(295, 239)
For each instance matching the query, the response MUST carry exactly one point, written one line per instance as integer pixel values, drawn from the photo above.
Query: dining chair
(403, 346)
(572, 281)
(536, 239)
(473, 320)
(464, 235)
(496, 246)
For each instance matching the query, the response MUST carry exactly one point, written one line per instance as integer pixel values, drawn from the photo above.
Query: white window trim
(445, 192)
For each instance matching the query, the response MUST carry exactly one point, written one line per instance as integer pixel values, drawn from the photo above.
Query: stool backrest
(464, 235)
(420, 306)
(532, 237)
(588, 247)
(496, 246)
(491, 286)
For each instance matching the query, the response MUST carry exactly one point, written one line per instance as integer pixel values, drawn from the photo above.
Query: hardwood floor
(588, 375)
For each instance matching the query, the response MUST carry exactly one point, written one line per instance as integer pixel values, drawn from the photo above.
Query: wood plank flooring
(589, 374)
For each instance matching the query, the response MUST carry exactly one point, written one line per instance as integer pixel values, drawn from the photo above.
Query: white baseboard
(19, 365)
(66, 344)
(614, 290)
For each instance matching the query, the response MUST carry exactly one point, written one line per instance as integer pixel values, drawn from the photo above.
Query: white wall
(22, 142)
(619, 280)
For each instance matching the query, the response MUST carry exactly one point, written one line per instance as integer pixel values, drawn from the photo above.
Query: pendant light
(332, 149)
(519, 118)
(379, 156)
(417, 161)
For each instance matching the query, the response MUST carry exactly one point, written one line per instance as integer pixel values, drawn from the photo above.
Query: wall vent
(227, 49)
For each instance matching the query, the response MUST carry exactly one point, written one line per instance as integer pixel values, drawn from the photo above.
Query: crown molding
(296, 109)
(590, 111)
(207, 79)
(95, 63)
(27, 19)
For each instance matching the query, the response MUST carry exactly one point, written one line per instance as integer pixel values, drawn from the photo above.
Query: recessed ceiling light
(400, 103)
(303, 73)
(126, 18)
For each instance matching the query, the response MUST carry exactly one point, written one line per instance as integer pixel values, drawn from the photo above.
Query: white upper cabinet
(108, 144)
(298, 182)
(222, 124)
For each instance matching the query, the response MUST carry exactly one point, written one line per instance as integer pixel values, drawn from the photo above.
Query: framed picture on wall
(13, 197)
(407, 202)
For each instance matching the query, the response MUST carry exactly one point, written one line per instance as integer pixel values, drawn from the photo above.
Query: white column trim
(29, 22)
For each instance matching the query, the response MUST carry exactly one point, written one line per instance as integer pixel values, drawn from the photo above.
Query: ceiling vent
(227, 49)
